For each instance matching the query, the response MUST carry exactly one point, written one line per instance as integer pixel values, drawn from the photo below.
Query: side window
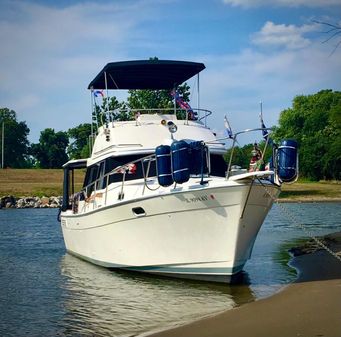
(98, 171)
(218, 165)
(90, 177)
(100, 180)
(87, 177)
(93, 176)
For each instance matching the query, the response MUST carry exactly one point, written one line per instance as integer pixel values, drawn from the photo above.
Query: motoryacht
(158, 195)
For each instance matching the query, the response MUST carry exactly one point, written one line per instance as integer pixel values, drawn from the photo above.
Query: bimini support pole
(107, 94)
(174, 90)
(198, 95)
(93, 112)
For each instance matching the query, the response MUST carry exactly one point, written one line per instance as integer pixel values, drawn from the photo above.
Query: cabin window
(120, 161)
(218, 165)
(90, 177)
(99, 170)
(100, 173)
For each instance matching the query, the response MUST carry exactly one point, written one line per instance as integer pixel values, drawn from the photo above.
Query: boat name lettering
(197, 199)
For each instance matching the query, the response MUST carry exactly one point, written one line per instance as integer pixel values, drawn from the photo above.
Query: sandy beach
(309, 307)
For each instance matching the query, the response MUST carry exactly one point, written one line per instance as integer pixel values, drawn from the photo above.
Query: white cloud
(47, 54)
(288, 36)
(36, 40)
(282, 3)
(234, 84)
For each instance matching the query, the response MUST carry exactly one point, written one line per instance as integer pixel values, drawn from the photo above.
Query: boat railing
(99, 188)
(266, 135)
(195, 114)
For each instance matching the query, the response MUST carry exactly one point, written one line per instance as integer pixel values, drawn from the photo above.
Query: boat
(158, 196)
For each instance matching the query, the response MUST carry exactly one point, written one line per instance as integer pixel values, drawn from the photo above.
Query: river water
(46, 292)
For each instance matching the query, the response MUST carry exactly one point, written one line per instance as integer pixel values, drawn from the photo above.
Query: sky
(253, 50)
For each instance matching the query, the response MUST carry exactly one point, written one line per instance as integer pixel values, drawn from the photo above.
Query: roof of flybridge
(145, 74)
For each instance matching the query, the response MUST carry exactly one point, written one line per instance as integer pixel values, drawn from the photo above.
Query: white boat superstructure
(158, 196)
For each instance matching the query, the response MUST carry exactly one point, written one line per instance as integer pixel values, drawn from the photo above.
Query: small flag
(264, 132)
(129, 168)
(184, 105)
(228, 129)
(98, 93)
(174, 94)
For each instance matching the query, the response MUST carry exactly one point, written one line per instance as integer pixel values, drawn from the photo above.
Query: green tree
(79, 146)
(157, 99)
(50, 152)
(118, 111)
(242, 155)
(16, 144)
(314, 121)
(139, 100)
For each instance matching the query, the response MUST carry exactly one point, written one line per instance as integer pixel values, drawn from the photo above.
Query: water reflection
(44, 292)
(103, 302)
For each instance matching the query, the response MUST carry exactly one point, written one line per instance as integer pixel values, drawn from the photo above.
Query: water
(46, 292)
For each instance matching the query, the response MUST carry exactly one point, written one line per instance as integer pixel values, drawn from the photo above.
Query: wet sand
(310, 307)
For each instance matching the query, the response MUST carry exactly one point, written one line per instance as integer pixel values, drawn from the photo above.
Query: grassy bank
(35, 182)
(306, 191)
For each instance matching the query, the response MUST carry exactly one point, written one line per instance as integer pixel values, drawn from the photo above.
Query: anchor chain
(298, 224)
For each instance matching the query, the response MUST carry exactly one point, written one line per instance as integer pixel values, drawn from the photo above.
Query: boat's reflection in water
(100, 302)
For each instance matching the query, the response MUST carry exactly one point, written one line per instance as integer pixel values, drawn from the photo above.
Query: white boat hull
(206, 233)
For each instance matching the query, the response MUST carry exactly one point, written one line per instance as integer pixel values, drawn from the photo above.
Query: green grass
(35, 182)
(312, 191)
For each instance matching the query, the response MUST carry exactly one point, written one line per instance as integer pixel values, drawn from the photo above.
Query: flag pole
(198, 89)
(261, 109)
(107, 92)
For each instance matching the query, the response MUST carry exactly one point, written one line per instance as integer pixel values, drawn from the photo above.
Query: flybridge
(145, 74)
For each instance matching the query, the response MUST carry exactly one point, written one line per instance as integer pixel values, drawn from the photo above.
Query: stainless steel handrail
(235, 140)
(206, 113)
(119, 169)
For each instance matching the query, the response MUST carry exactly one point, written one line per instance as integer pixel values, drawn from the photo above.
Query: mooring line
(298, 224)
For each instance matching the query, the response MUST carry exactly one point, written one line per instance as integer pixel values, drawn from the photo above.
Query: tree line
(52, 150)
(314, 121)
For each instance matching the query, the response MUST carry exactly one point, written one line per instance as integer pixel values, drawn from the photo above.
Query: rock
(21, 203)
(55, 202)
(44, 201)
(7, 202)
(30, 202)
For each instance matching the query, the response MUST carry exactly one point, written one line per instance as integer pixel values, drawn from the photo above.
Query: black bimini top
(145, 74)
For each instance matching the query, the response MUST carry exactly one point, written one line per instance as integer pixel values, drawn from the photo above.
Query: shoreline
(308, 200)
(11, 202)
(310, 306)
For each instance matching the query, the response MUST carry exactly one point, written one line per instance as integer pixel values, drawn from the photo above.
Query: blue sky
(254, 50)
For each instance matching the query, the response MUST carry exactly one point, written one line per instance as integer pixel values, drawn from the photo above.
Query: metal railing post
(231, 155)
(106, 190)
